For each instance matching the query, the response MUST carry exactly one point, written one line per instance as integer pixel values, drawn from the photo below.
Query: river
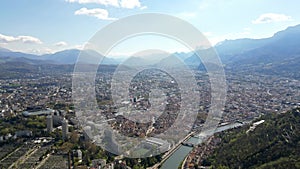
(178, 156)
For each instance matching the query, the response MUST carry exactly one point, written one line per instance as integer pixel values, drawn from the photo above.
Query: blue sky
(46, 26)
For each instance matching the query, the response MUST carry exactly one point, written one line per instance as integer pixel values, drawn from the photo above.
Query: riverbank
(182, 152)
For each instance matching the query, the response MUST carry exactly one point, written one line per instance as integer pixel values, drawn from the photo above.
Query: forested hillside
(272, 144)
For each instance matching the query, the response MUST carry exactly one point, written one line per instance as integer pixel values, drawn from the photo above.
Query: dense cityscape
(46, 132)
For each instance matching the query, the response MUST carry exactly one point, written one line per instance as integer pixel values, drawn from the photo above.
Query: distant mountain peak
(290, 31)
(4, 50)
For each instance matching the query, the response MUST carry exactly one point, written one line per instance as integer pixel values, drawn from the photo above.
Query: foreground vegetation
(273, 144)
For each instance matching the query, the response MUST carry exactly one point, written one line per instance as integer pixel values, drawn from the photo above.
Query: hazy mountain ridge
(63, 57)
(276, 54)
(69, 56)
(5, 53)
(279, 54)
(282, 45)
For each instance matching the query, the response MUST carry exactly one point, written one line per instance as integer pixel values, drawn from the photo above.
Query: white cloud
(6, 39)
(95, 12)
(85, 45)
(61, 43)
(143, 7)
(102, 2)
(79, 47)
(23, 39)
(271, 17)
(29, 39)
(130, 4)
(40, 51)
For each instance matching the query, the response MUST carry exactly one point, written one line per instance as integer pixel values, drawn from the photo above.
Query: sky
(48, 26)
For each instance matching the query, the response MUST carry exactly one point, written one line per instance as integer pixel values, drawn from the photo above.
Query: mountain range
(283, 46)
(277, 54)
(69, 56)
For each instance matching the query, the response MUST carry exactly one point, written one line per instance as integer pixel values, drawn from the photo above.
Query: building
(87, 133)
(65, 129)
(78, 155)
(23, 133)
(37, 112)
(162, 145)
(57, 118)
(99, 163)
(49, 123)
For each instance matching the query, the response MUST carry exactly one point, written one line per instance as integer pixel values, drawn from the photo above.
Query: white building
(49, 123)
(65, 129)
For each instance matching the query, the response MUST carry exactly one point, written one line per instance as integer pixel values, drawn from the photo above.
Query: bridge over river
(174, 157)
